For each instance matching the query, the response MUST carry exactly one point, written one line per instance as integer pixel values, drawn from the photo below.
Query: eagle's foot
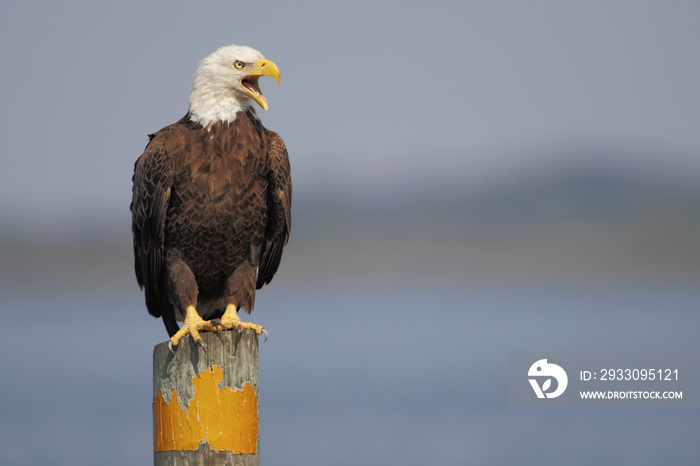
(230, 320)
(192, 325)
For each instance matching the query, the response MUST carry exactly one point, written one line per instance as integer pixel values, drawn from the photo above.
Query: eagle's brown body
(210, 215)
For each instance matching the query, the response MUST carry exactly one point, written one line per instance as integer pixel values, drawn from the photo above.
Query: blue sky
(374, 95)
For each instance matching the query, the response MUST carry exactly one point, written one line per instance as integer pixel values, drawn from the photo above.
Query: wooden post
(205, 404)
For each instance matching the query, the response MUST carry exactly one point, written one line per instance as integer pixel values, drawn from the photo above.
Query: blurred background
(470, 178)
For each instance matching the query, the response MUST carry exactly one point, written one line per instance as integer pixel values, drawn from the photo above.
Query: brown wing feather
(152, 182)
(279, 215)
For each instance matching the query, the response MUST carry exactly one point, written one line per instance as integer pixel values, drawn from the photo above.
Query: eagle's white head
(226, 83)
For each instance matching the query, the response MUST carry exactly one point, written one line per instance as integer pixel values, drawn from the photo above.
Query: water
(350, 375)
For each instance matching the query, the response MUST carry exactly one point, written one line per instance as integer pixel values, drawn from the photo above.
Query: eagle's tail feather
(170, 323)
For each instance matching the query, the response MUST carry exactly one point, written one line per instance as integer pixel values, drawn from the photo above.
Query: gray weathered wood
(237, 355)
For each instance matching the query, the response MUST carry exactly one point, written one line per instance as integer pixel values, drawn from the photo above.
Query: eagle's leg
(185, 291)
(240, 293)
(230, 320)
(192, 325)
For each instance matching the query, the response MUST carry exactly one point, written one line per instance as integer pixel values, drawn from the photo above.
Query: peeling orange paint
(227, 419)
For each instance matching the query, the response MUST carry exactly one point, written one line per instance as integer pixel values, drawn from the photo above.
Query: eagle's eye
(239, 65)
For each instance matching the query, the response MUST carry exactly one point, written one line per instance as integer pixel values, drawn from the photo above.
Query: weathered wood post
(205, 404)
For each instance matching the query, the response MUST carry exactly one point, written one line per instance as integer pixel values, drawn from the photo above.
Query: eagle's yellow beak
(250, 82)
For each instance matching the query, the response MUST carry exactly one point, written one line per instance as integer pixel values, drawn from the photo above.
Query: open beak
(250, 82)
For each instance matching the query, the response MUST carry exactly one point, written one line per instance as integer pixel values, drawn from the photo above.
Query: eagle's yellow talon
(192, 325)
(230, 320)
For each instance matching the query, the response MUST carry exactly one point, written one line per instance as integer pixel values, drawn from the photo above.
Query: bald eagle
(211, 201)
